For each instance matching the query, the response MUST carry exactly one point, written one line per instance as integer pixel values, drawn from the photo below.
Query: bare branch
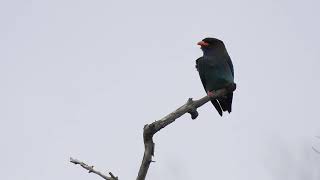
(91, 170)
(150, 129)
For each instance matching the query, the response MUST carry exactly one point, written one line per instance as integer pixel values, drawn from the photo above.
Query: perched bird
(216, 71)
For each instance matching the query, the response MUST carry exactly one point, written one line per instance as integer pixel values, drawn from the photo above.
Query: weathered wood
(91, 170)
(151, 129)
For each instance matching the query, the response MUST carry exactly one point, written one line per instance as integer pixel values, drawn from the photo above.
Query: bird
(216, 71)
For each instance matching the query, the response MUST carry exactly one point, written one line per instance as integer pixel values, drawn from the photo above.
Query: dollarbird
(216, 71)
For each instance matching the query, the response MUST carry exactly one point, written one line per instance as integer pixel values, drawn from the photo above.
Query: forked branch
(151, 129)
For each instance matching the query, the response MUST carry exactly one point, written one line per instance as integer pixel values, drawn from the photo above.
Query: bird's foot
(210, 93)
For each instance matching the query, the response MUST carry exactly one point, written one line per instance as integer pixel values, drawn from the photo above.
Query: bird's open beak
(202, 43)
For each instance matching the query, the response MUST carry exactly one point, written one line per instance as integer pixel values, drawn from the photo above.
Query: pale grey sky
(81, 78)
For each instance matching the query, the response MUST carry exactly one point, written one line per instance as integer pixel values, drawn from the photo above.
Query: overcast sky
(81, 78)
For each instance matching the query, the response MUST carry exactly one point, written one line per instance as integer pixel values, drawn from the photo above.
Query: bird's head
(210, 43)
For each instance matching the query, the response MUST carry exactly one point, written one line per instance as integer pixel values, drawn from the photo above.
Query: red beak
(202, 43)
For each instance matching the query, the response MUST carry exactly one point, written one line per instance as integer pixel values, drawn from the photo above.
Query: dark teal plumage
(216, 71)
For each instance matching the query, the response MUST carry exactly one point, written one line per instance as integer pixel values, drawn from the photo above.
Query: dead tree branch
(91, 170)
(150, 130)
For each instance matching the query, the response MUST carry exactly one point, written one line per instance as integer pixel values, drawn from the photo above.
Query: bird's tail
(226, 102)
(217, 106)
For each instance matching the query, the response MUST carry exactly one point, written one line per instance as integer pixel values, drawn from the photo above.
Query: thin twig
(91, 170)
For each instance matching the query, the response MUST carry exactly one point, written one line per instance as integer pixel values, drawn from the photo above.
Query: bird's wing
(202, 77)
(203, 80)
(230, 95)
(230, 64)
(226, 102)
